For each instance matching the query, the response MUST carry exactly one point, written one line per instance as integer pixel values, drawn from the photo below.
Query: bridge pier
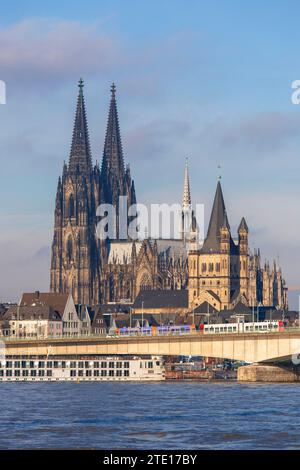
(268, 373)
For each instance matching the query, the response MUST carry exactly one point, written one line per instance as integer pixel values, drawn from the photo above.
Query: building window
(71, 206)
(69, 250)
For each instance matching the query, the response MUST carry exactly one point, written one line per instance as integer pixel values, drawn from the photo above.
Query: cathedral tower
(75, 264)
(115, 179)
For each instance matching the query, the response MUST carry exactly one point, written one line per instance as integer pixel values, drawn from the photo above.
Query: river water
(165, 415)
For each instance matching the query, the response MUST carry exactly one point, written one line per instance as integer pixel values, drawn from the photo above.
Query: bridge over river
(272, 347)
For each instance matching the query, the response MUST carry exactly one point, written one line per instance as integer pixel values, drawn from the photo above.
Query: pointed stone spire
(243, 226)
(80, 160)
(186, 199)
(133, 251)
(225, 223)
(218, 220)
(113, 161)
(133, 196)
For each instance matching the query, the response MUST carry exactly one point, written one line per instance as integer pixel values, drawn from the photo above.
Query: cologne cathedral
(115, 270)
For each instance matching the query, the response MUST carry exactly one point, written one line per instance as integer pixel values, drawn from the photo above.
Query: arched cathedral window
(69, 250)
(111, 288)
(146, 283)
(71, 206)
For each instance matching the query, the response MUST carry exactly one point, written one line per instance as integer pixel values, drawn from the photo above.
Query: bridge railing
(82, 337)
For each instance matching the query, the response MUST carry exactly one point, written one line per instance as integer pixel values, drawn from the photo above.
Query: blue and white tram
(241, 327)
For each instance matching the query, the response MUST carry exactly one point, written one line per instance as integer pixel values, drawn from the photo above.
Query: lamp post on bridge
(257, 311)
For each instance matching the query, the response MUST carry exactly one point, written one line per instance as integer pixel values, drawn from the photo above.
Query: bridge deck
(249, 347)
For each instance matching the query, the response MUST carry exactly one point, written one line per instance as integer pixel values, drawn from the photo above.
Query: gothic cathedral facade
(97, 271)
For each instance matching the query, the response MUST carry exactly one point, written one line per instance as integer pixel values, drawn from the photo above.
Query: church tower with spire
(75, 263)
(116, 180)
(188, 229)
(218, 272)
(79, 257)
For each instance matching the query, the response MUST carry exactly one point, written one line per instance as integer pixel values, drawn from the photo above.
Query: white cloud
(36, 49)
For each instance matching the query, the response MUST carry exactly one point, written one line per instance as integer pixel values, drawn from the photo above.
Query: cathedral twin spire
(80, 160)
(113, 160)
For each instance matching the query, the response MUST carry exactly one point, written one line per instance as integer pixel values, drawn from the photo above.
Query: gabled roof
(98, 318)
(214, 295)
(162, 299)
(84, 312)
(170, 248)
(37, 312)
(54, 300)
(108, 309)
(205, 308)
(241, 308)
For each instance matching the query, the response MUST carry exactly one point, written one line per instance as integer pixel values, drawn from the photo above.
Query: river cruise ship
(81, 369)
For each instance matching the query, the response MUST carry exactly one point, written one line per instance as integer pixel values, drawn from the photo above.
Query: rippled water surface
(182, 415)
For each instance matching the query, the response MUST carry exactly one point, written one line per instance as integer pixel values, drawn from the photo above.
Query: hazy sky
(209, 80)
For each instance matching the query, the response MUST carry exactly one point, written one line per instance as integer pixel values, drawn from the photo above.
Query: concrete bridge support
(268, 373)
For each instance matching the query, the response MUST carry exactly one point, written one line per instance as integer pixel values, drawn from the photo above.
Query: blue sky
(211, 80)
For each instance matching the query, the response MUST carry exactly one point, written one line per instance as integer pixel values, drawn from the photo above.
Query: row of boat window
(64, 364)
(73, 373)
